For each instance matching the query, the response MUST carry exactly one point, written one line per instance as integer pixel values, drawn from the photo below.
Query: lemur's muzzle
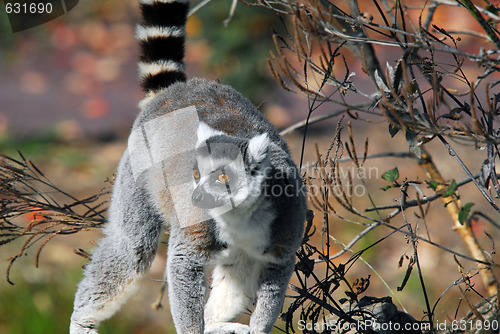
(204, 200)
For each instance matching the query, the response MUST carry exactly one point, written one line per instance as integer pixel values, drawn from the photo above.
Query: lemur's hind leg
(110, 278)
(120, 259)
(107, 284)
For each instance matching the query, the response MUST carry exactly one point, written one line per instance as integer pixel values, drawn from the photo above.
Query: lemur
(203, 163)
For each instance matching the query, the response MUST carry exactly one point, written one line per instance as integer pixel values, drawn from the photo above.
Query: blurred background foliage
(237, 53)
(77, 74)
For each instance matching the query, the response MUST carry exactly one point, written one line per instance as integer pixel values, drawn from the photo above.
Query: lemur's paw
(227, 328)
(76, 328)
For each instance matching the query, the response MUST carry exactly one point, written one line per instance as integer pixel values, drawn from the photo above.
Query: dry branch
(26, 192)
(453, 206)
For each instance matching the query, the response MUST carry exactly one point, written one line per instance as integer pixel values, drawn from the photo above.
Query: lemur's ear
(258, 147)
(204, 132)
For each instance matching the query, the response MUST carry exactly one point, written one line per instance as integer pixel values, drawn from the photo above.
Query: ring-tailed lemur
(203, 162)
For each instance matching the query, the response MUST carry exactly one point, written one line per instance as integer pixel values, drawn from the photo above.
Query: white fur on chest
(249, 232)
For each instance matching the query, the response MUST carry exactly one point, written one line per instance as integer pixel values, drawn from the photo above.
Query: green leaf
(391, 175)
(451, 189)
(385, 188)
(464, 212)
(432, 184)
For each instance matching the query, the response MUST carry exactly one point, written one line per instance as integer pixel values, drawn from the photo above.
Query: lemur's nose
(203, 200)
(197, 197)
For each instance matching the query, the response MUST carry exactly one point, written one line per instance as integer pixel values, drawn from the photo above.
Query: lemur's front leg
(270, 294)
(186, 282)
(234, 285)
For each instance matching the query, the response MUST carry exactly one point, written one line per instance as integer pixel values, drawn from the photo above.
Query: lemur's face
(219, 182)
(229, 172)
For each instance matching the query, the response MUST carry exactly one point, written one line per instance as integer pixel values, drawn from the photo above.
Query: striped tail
(161, 36)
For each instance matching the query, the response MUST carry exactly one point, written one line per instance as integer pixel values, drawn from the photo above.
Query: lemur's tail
(161, 37)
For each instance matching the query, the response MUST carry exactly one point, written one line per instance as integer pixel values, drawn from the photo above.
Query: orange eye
(223, 177)
(196, 174)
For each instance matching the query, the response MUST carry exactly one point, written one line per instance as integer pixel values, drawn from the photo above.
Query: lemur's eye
(223, 177)
(196, 174)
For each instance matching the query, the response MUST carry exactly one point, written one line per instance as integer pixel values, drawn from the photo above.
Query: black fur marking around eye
(244, 151)
(228, 189)
(162, 80)
(161, 14)
(158, 48)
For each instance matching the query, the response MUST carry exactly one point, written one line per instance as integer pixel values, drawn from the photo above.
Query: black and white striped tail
(161, 36)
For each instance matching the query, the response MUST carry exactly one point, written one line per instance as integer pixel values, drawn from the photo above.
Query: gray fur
(251, 243)
(136, 218)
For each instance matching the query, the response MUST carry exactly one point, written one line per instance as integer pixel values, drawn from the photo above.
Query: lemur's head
(229, 172)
